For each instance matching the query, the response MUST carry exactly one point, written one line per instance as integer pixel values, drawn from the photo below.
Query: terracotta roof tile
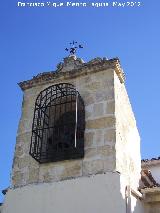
(148, 180)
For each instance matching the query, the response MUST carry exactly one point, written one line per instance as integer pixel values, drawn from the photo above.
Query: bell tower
(77, 145)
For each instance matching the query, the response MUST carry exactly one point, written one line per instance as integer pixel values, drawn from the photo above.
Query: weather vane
(74, 47)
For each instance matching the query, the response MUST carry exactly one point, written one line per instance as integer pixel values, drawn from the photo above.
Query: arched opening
(58, 124)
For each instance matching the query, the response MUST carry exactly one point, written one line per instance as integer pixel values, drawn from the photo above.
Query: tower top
(72, 67)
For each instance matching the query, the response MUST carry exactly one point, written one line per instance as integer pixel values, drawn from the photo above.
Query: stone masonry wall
(97, 91)
(152, 208)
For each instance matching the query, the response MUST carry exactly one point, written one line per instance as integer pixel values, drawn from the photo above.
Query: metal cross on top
(74, 47)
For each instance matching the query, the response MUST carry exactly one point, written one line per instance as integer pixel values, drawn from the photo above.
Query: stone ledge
(68, 179)
(151, 195)
(94, 65)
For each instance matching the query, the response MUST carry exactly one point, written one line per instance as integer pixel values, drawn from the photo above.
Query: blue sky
(33, 40)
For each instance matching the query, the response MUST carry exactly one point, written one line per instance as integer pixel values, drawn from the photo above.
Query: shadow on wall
(133, 201)
(0, 208)
(137, 205)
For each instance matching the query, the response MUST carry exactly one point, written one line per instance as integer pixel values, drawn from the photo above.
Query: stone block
(94, 85)
(33, 175)
(89, 139)
(69, 169)
(24, 141)
(104, 95)
(106, 151)
(33, 162)
(90, 154)
(109, 136)
(110, 107)
(105, 122)
(109, 164)
(47, 177)
(83, 81)
(99, 137)
(88, 111)
(25, 125)
(19, 151)
(47, 172)
(28, 111)
(15, 163)
(106, 77)
(17, 178)
(98, 109)
(23, 162)
(92, 167)
(32, 92)
(88, 98)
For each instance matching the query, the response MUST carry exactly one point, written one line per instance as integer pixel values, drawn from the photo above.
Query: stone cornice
(151, 190)
(82, 68)
(151, 195)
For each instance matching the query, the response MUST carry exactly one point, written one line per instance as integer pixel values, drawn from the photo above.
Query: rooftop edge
(73, 67)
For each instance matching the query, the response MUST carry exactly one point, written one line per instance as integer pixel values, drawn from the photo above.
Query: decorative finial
(73, 48)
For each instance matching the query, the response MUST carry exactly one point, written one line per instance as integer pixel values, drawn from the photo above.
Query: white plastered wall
(128, 158)
(100, 193)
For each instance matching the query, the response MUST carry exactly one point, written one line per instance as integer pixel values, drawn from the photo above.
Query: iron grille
(58, 124)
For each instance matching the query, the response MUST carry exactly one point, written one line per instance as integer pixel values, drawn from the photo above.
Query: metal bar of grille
(58, 124)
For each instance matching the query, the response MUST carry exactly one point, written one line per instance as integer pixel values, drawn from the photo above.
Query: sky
(33, 39)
